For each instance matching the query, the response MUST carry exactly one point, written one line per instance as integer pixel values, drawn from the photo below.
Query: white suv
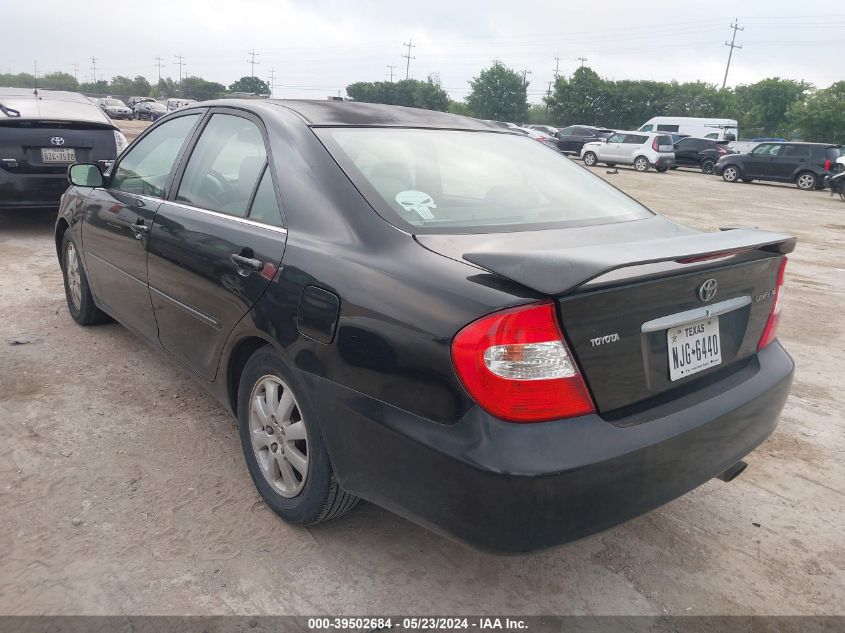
(640, 149)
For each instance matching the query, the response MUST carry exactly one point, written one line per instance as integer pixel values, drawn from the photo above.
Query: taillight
(828, 164)
(770, 332)
(516, 366)
(655, 145)
(721, 150)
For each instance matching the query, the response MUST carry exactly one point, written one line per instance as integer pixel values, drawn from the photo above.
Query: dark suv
(41, 134)
(805, 164)
(570, 140)
(700, 152)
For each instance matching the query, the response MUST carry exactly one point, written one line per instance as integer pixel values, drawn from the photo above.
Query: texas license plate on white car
(58, 155)
(693, 347)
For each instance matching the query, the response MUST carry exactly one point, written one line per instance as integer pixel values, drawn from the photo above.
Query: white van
(719, 129)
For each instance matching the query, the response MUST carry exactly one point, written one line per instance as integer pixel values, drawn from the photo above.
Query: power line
(180, 63)
(94, 70)
(75, 71)
(272, 80)
(557, 66)
(251, 61)
(736, 27)
(408, 58)
(525, 73)
(582, 60)
(159, 65)
(391, 67)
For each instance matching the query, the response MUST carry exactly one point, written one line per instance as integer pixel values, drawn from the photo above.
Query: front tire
(80, 301)
(806, 181)
(590, 159)
(641, 164)
(283, 445)
(730, 174)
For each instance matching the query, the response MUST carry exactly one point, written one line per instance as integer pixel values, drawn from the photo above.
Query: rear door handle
(247, 263)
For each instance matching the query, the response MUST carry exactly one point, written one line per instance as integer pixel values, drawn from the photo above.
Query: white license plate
(58, 155)
(693, 347)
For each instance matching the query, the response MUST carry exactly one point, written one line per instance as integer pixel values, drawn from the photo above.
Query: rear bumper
(31, 190)
(511, 487)
(664, 161)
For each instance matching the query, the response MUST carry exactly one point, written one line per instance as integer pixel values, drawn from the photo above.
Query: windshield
(458, 181)
(113, 102)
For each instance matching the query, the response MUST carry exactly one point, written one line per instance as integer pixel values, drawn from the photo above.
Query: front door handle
(140, 229)
(247, 263)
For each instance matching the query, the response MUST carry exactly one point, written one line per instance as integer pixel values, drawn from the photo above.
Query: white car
(640, 149)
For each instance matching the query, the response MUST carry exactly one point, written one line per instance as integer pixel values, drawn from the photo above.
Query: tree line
(773, 107)
(189, 88)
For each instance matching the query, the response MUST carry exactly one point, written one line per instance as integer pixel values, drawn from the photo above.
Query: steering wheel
(220, 187)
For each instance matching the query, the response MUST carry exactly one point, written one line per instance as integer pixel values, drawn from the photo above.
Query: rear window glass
(459, 181)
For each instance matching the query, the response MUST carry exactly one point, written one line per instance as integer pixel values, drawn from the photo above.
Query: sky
(314, 48)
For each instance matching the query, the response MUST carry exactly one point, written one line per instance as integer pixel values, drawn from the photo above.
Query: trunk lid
(622, 287)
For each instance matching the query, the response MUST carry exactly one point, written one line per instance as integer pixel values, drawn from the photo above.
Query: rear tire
(806, 181)
(707, 166)
(730, 174)
(289, 465)
(80, 301)
(662, 169)
(641, 164)
(590, 159)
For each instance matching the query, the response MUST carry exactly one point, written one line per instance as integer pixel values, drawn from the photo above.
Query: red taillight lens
(516, 366)
(770, 332)
(655, 144)
(721, 150)
(828, 164)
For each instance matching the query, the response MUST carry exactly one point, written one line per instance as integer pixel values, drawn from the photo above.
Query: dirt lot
(125, 492)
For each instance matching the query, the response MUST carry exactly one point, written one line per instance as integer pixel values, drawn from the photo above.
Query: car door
(564, 139)
(611, 149)
(631, 147)
(792, 159)
(687, 149)
(759, 163)
(217, 241)
(118, 217)
(580, 136)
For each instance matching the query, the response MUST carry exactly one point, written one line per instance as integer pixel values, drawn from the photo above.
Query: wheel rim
(640, 164)
(730, 174)
(590, 160)
(278, 435)
(708, 167)
(74, 278)
(806, 181)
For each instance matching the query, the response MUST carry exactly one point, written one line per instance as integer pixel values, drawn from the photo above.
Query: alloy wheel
(641, 164)
(730, 174)
(590, 159)
(279, 437)
(74, 277)
(806, 181)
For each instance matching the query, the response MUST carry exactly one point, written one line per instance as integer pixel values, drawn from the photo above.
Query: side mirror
(85, 175)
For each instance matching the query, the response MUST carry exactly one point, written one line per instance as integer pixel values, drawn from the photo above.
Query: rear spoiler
(557, 271)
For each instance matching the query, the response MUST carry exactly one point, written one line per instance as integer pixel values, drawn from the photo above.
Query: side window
(797, 151)
(667, 128)
(646, 128)
(145, 168)
(635, 139)
(616, 138)
(567, 131)
(224, 166)
(712, 135)
(766, 149)
(265, 206)
(579, 131)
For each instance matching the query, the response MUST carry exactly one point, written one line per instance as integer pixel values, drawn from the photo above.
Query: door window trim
(268, 164)
(188, 142)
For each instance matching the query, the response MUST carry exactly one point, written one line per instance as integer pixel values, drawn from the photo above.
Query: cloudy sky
(317, 47)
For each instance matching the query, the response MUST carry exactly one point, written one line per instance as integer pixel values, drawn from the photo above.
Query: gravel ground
(125, 492)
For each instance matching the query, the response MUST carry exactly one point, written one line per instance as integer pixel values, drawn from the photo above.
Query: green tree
(762, 107)
(459, 107)
(59, 81)
(20, 80)
(252, 85)
(200, 89)
(412, 93)
(164, 89)
(821, 117)
(99, 87)
(585, 99)
(141, 87)
(498, 93)
(121, 86)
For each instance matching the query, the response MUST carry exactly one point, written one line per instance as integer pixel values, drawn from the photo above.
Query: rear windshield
(436, 181)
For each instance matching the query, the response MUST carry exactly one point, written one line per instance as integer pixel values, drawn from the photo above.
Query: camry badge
(57, 140)
(707, 290)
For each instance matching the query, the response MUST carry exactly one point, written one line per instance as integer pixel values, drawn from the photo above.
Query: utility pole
(736, 27)
(94, 70)
(272, 80)
(557, 66)
(582, 60)
(180, 63)
(408, 57)
(75, 71)
(525, 73)
(251, 61)
(159, 65)
(391, 67)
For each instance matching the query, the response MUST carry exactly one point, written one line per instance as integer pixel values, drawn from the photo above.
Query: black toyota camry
(434, 314)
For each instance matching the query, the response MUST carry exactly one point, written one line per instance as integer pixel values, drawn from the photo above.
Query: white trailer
(720, 129)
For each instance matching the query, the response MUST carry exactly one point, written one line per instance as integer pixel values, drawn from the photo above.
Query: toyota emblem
(707, 290)
(57, 140)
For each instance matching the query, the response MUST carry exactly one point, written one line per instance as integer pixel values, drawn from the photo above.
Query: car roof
(352, 113)
(51, 104)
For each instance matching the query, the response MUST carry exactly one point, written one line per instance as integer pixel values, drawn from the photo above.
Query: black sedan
(702, 153)
(571, 140)
(432, 313)
(149, 110)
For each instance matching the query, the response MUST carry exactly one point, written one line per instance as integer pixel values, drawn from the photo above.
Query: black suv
(700, 152)
(805, 164)
(41, 134)
(571, 139)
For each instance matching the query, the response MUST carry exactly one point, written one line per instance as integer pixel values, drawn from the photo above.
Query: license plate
(58, 155)
(693, 347)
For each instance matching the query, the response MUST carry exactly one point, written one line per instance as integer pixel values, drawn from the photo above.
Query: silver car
(643, 150)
